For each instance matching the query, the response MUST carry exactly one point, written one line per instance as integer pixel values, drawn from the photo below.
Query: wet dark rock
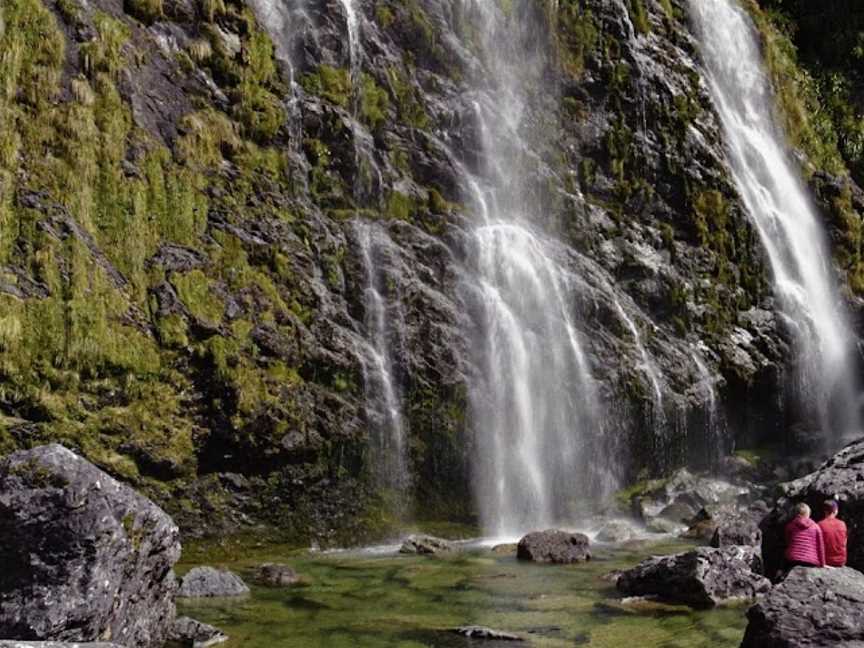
(739, 529)
(553, 546)
(190, 633)
(704, 577)
(423, 544)
(818, 608)
(482, 632)
(83, 556)
(204, 582)
(682, 495)
(276, 575)
(842, 477)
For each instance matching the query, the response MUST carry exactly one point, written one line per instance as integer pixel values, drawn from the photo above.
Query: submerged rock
(194, 634)
(554, 546)
(83, 556)
(204, 582)
(811, 608)
(276, 575)
(419, 544)
(842, 477)
(482, 632)
(703, 577)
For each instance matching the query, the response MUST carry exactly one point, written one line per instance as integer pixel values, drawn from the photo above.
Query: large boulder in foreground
(810, 608)
(842, 476)
(702, 578)
(554, 546)
(84, 557)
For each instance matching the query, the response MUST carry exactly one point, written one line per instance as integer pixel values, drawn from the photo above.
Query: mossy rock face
(181, 285)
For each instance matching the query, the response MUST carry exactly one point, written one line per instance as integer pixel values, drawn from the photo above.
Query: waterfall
(534, 410)
(354, 45)
(383, 398)
(647, 364)
(713, 426)
(780, 210)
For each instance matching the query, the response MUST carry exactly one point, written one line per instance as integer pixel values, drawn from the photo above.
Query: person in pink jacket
(805, 545)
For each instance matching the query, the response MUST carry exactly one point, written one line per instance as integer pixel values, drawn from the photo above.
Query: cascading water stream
(534, 411)
(286, 21)
(647, 364)
(714, 428)
(383, 400)
(778, 205)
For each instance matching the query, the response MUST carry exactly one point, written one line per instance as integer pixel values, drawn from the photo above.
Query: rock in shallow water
(811, 608)
(703, 577)
(424, 545)
(276, 575)
(554, 546)
(83, 556)
(194, 634)
(482, 632)
(204, 582)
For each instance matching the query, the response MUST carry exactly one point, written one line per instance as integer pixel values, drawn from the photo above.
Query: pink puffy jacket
(804, 542)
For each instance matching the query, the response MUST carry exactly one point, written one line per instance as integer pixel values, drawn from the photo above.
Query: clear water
(353, 599)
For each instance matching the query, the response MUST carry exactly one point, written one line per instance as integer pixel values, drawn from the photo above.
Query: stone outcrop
(739, 529)
(84, 557)
(206, 582)
(189, 633)
(553, 546)
(842, 477)
(811, 608)
(704, 577)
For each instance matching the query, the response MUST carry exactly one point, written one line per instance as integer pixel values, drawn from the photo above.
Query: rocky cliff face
(183, 283)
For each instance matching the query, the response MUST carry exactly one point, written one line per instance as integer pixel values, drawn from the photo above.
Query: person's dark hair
(830, 506)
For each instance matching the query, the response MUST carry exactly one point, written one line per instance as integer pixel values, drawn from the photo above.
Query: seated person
(833, 534)
(804, 543)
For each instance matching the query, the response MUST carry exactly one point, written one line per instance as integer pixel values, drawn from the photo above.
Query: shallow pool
(378, 598)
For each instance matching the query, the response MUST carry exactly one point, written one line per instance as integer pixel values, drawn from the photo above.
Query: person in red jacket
(804, 544)
(834, 534)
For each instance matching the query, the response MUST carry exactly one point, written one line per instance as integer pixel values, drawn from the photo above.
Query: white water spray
(535, 411)
(778, 205)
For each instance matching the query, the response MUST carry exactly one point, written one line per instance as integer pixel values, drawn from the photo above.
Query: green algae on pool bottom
(360, 600)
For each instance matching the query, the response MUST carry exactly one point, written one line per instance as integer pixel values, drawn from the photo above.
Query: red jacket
(834, 535)
(804, 542)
